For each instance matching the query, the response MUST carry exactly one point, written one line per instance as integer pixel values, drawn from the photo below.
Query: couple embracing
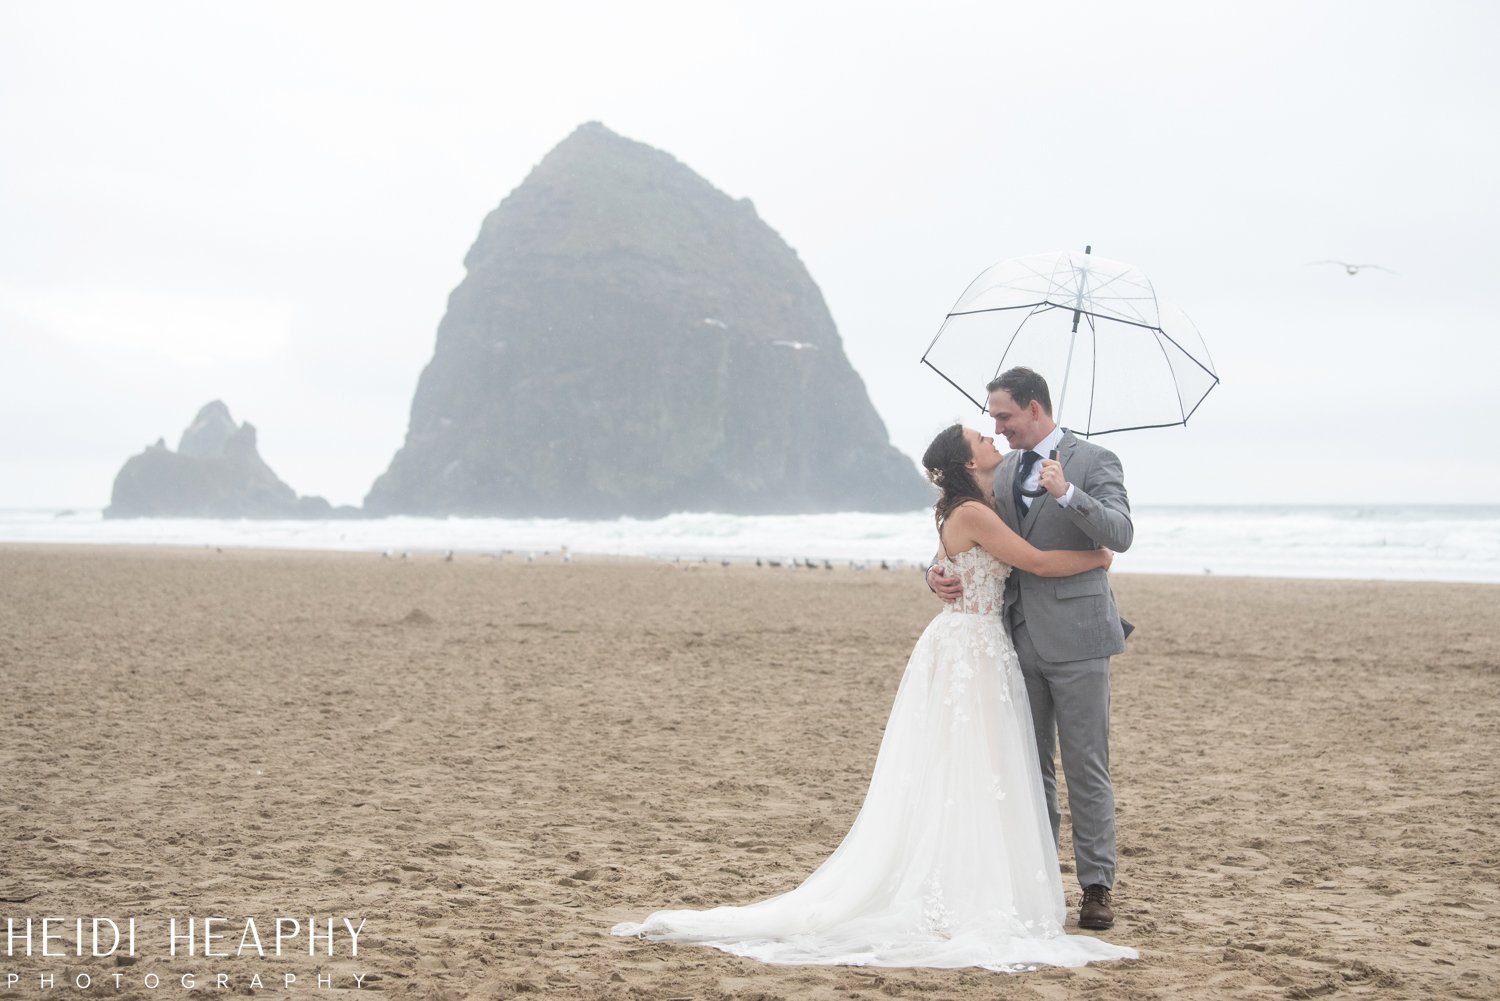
(952, 858)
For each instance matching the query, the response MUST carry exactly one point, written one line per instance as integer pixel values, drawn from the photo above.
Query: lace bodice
(983, 578)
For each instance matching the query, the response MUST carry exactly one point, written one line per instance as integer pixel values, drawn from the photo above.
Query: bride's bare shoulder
(973, 512)
(966, 524)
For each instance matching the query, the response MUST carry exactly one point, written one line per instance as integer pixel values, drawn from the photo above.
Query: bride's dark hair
(945, 461)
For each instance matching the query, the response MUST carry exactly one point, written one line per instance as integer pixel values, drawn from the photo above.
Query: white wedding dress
(950, 862)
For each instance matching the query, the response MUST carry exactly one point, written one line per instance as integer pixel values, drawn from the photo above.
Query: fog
(269, 203)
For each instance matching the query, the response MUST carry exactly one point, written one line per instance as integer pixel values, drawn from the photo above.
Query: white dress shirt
(1044, 449)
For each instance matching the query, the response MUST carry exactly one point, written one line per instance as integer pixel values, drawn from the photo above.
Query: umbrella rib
(1206, 353)
(1011, 343)
(1053, 305)
(1102, 285)
(1093, 294)
(966, 292)
(1193, 411)
(1062, 287)
(1188, 354)
(1137, 427)
(1171, 372)
(935, 336)
(1049, 277)
(1155, 304)
(955, 385)
(1002, 309)
(1176, 387)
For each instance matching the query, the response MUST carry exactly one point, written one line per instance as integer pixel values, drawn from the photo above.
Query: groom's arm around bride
(1098, 506)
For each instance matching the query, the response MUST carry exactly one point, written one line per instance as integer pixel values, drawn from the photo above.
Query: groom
(1064, 629)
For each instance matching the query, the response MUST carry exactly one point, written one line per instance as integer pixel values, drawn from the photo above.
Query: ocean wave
(1413, 542)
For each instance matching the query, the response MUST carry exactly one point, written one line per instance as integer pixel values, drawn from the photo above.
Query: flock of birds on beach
(564, 555)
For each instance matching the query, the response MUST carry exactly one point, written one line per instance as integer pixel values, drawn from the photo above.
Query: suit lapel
(1065, 449)
(1064, 455)
(1005, 501)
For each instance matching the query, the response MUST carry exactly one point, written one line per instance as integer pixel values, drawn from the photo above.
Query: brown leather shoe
(1096, 912)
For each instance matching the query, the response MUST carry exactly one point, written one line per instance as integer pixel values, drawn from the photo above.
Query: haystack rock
(629, 340)
(216, 472)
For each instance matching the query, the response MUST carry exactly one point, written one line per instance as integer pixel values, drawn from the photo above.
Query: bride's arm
(984, 527)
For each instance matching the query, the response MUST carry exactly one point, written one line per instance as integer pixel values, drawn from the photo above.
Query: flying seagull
(1353, 269)
(796, 345)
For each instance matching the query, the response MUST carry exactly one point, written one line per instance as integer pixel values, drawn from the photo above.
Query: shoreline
(555, 557)
(1459, 544)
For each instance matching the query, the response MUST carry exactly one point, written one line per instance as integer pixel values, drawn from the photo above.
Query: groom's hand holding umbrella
(1053, 480)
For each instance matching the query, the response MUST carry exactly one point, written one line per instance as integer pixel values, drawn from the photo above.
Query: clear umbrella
(1117, 356)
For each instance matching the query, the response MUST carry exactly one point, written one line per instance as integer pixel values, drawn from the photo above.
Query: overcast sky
(268, 203)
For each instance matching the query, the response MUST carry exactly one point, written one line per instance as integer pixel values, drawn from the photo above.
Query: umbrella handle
(1039, 490)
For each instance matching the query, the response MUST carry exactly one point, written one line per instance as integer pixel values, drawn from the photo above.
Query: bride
(950, 861)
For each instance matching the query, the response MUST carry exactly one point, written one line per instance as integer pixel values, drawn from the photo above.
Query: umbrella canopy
(1115, 354)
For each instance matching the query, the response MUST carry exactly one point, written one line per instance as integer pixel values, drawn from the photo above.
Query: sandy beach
(492, 762)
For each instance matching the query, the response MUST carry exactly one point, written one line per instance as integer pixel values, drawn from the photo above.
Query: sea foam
(1457, 543)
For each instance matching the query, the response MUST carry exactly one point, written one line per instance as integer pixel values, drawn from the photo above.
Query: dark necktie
(1028, 459)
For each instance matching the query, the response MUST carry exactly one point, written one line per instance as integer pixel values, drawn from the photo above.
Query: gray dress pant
(1070, 706)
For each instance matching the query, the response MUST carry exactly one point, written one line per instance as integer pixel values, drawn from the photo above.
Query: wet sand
(492, 762)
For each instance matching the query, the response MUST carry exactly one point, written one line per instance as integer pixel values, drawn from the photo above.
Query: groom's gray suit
(1065, 630)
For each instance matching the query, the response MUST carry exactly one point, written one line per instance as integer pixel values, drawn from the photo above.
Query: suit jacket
(1069, 618)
